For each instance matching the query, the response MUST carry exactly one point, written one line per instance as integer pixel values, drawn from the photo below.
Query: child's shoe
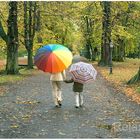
(57, 106)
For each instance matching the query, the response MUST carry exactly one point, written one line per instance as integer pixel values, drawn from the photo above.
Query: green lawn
(13, 78)
(122, 72)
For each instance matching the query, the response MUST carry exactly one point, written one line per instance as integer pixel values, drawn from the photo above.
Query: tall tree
(3, 35)
(106, 33)
(60, 26)
(12, 43)
(139, 51)
(121, 40)
(135, 79)
(29, 29)
(88, 29)
(88, 36)
(38, 24)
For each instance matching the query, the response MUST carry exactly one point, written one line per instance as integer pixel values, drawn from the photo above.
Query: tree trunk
(64, 37)
(38, 25)
(114, 53)
(29, 31)
(94, 54)
(135, 79)
(30, 59)
(88, 47)
(121, 41)
(120, 51)
(121, 54)
(139, 51)
(12, 44)
(88, 36)
(3, 35)
(106, 34)
(30, 48)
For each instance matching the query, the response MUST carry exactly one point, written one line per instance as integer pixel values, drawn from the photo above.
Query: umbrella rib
(75, 76)
(40, 62)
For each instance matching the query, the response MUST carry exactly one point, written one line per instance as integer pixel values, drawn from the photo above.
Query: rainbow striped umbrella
(82, 72)
(53, 58)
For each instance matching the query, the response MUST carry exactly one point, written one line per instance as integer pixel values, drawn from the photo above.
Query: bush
(22, 53)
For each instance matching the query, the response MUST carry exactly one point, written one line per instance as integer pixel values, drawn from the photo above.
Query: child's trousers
(78, 98)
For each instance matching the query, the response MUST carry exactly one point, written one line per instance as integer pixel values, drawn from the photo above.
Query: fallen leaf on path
(14, 126)
(3, 90)
(27, 102)
(61, 133)
(26, 116)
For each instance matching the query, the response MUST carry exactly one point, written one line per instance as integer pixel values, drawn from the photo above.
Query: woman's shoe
(76, 106)
(59, 102)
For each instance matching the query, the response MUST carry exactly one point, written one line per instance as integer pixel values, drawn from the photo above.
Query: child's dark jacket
(77, 87)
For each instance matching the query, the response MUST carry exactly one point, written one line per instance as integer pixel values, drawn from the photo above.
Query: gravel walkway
(27, 111)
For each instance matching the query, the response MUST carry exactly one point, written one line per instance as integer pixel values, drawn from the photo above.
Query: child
(78, 89)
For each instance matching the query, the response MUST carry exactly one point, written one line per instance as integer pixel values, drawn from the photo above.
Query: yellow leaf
(14, 126)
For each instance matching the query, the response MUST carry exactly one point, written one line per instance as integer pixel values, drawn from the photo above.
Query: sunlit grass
(122, 73)
(138, 90)
(14, 78)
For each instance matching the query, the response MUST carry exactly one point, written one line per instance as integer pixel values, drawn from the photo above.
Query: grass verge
(4, 79)
(122, 72)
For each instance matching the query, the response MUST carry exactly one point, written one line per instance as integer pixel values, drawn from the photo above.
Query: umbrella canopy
(53, 58)
(78, 58)
(82, 72)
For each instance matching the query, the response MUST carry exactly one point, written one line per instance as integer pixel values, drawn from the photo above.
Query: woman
(56, 79)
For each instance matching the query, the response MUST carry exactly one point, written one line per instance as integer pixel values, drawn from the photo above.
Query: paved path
(27, 111)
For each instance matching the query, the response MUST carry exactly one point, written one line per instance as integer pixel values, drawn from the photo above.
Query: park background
(101, 31)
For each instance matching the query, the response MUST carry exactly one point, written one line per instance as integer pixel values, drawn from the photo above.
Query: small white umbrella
(83, 72)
